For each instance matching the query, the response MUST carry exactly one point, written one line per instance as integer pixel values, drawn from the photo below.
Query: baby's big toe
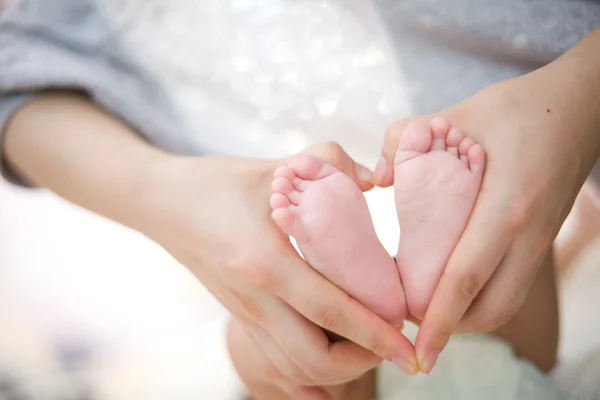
(415, 140)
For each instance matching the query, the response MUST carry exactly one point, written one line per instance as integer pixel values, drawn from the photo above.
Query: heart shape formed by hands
(437, 176)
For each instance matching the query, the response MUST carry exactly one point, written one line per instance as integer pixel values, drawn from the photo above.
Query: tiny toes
(463, 148)
(284, 172)
(278, 200)
(300, 184)
(430, 228)
(282, 185)
(455, 136)
(294, 197)
(439, 127)
(476, 157)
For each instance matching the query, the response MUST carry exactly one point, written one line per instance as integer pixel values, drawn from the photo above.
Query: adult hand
(264, 380)
(213, 215)
(540, 132)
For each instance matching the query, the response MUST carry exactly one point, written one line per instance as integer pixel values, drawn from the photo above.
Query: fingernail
(426, 363)
(363, 173)
(407, 366)
(379, 172)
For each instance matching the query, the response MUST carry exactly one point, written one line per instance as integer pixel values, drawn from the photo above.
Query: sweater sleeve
(73, 45)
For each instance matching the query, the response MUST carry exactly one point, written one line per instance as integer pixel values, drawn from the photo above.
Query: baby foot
(437, 174)
(327, 214)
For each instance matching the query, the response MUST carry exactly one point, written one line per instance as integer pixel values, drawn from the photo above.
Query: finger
(295, 346)
(261, 362)
(383, 175)
(473, 261)
(335, 155)
(532, 308)
(248, 355)
(305, 392)
(326, 305)
(288, 369)
(308, 349)
(508, 287)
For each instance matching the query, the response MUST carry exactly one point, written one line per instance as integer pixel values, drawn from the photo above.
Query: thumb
(335, 155)
(384, 170)
(383, 175)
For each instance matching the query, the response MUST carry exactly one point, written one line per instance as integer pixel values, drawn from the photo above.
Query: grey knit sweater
(448, 50)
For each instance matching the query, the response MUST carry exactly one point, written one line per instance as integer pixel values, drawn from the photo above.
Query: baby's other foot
(437, 175)
(327, 214)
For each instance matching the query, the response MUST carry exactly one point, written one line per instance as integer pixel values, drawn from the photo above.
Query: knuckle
(249, 309)
(378, 345)
(502, 315)
(316, 374)
(499, 320)
(297, 377)
(395, 129)
(468, 285)
(494, 315)
(331, 320)
(311, 368)
(252, 270)
(493, 322)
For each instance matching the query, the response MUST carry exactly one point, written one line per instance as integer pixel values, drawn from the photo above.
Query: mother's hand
(213, 215)
(540, 132)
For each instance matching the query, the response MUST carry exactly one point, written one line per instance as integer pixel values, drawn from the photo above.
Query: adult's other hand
(540, 132)
(213, 215)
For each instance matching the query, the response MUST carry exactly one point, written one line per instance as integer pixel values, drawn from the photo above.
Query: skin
(584, 229)
(263, 380)
(438, 182)
(529, 128)
(213, 215)
(541, 135)
(327, 214)
(532, 332)
(437, 175)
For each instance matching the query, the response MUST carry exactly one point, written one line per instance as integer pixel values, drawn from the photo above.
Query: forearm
(64, 142)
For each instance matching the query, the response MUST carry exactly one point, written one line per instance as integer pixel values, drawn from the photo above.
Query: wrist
(133, 183)
(549, 106)
(180, 189)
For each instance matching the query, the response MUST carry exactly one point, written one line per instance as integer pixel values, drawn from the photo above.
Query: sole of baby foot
(328, 216)
(437, 175)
